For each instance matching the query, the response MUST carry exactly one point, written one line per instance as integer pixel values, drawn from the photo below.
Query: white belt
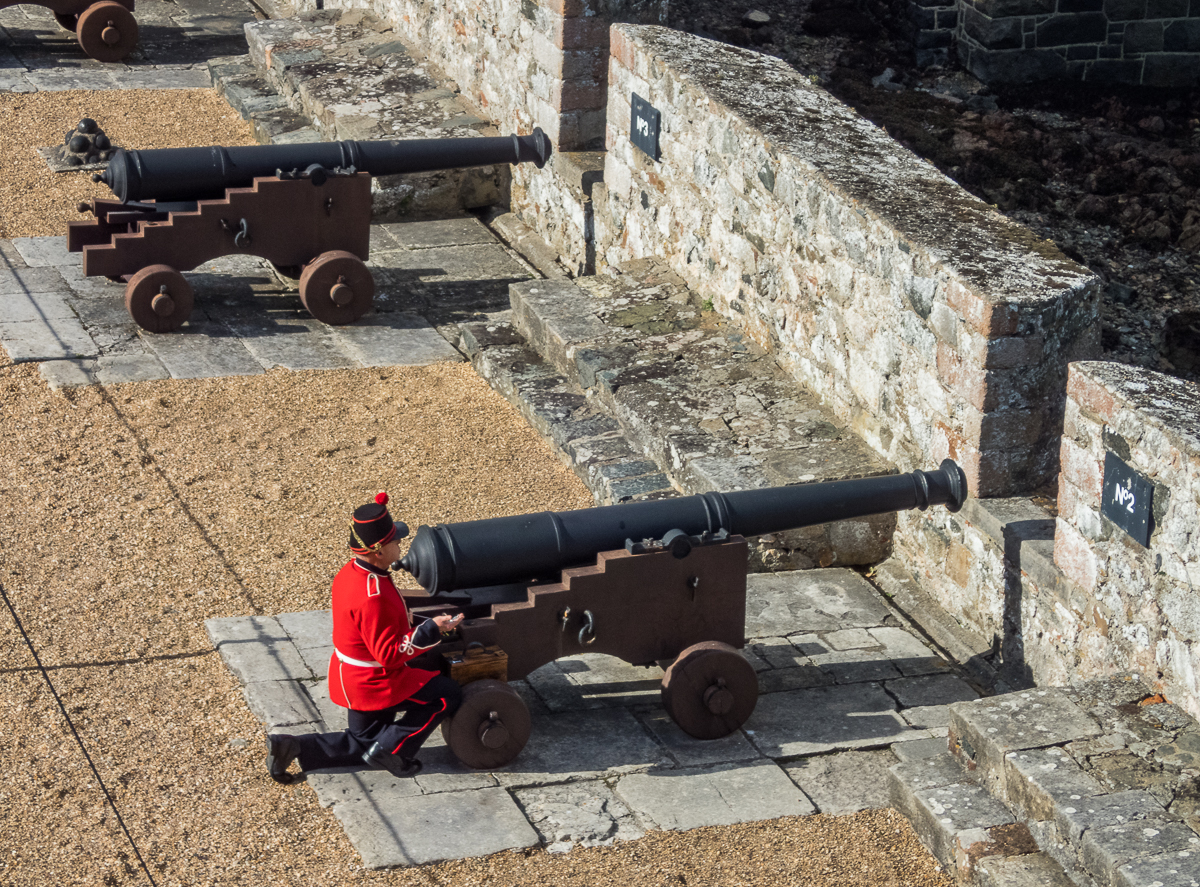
(349, 661)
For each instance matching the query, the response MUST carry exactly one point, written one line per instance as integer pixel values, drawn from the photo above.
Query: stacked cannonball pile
(85, 144)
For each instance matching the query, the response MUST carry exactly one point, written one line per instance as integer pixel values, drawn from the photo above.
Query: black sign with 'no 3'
(1125, 499)
(643, 128)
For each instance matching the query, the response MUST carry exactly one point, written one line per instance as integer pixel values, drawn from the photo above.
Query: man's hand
(447, 623)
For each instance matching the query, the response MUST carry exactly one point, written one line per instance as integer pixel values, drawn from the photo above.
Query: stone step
(588, 441)
(346, 73)
(695, 396)
(256, 100)
(1087, 785)
(1105, 774)
(954, 815)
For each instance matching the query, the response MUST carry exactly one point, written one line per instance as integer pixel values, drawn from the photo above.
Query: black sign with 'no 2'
(1125, 499)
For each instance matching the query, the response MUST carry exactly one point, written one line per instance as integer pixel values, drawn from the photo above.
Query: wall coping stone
(1170, 405)
(998, 260)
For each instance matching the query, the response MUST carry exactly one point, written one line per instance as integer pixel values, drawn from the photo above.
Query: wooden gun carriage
(646, 582)
(302, 206)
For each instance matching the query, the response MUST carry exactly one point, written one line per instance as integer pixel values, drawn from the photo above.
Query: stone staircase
(337, 74)
(644, 393)
(1094, 786)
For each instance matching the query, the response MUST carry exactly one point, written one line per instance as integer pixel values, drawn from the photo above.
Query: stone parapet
(1069, 594)
(1142, 604)
(1114, 42)
(924, 319)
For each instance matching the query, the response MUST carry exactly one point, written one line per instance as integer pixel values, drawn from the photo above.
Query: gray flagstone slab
(685, 799)
(202, 349)
(582, 745)
(391, 828)
(807, 722)
(779, 604)
(400, 339)
(55, 338)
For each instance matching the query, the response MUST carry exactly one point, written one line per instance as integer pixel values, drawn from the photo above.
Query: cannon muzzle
(523, 547)
(166, 174)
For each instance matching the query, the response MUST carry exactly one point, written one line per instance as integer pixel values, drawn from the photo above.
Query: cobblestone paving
(605, 762)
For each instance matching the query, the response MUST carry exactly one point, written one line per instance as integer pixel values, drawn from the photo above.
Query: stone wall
(1073, 596)
(931, 324)
(523, 64)
(933, 25)
(1130, 42)
(1140, 606)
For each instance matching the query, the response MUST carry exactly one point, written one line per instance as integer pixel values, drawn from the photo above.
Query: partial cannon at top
(106, 29)
(304, 206)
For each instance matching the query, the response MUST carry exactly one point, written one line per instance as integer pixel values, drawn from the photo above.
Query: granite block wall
(930, 323)
(1119, 42)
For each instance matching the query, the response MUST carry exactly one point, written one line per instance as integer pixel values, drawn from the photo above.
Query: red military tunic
(373, 639)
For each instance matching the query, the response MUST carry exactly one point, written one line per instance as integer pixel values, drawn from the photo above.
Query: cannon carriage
(106, 29)
(647, 582)
(302, 206)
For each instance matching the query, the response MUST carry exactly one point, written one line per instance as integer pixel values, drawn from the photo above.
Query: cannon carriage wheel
(710, 690)
(158, 298)
(490, 728)
(337, 287)
(107, 31)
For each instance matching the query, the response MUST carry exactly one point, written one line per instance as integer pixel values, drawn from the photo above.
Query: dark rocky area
(1112, 176)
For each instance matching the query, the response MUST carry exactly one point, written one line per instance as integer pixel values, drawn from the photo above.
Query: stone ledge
(346, 72)
(693, 395)
(584, 438)
(1085, 813)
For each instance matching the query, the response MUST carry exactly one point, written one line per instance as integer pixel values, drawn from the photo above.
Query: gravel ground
(133, 513)
(35, 202)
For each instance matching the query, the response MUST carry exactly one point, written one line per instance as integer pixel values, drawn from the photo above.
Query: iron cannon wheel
(710, 690)
(490, 728)
(337, 288)
(107, 31)
(67, 20)
(158, 298)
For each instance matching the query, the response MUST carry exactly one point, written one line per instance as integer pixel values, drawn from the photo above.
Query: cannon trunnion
(674, 594)
(298, 206)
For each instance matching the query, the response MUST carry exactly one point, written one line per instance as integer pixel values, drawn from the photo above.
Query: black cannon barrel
(205, 173)
(479, 553)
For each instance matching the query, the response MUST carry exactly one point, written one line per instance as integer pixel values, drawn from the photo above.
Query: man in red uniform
(373, 640)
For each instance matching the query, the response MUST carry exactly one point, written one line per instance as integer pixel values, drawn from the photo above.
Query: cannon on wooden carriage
(306, 205)
(106, 30)
(648, 582)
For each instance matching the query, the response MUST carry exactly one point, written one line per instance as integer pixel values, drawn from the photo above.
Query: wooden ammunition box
(478, 662)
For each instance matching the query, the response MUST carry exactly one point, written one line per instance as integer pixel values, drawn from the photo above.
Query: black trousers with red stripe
(403, 736)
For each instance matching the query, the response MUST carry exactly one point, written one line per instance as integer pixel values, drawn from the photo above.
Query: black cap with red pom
(372, 527)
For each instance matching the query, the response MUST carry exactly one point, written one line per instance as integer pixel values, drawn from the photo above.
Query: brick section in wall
(1111, 42)
(931, 324)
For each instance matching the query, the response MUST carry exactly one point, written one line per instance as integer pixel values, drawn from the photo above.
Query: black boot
(401, 768)
(282, 749)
